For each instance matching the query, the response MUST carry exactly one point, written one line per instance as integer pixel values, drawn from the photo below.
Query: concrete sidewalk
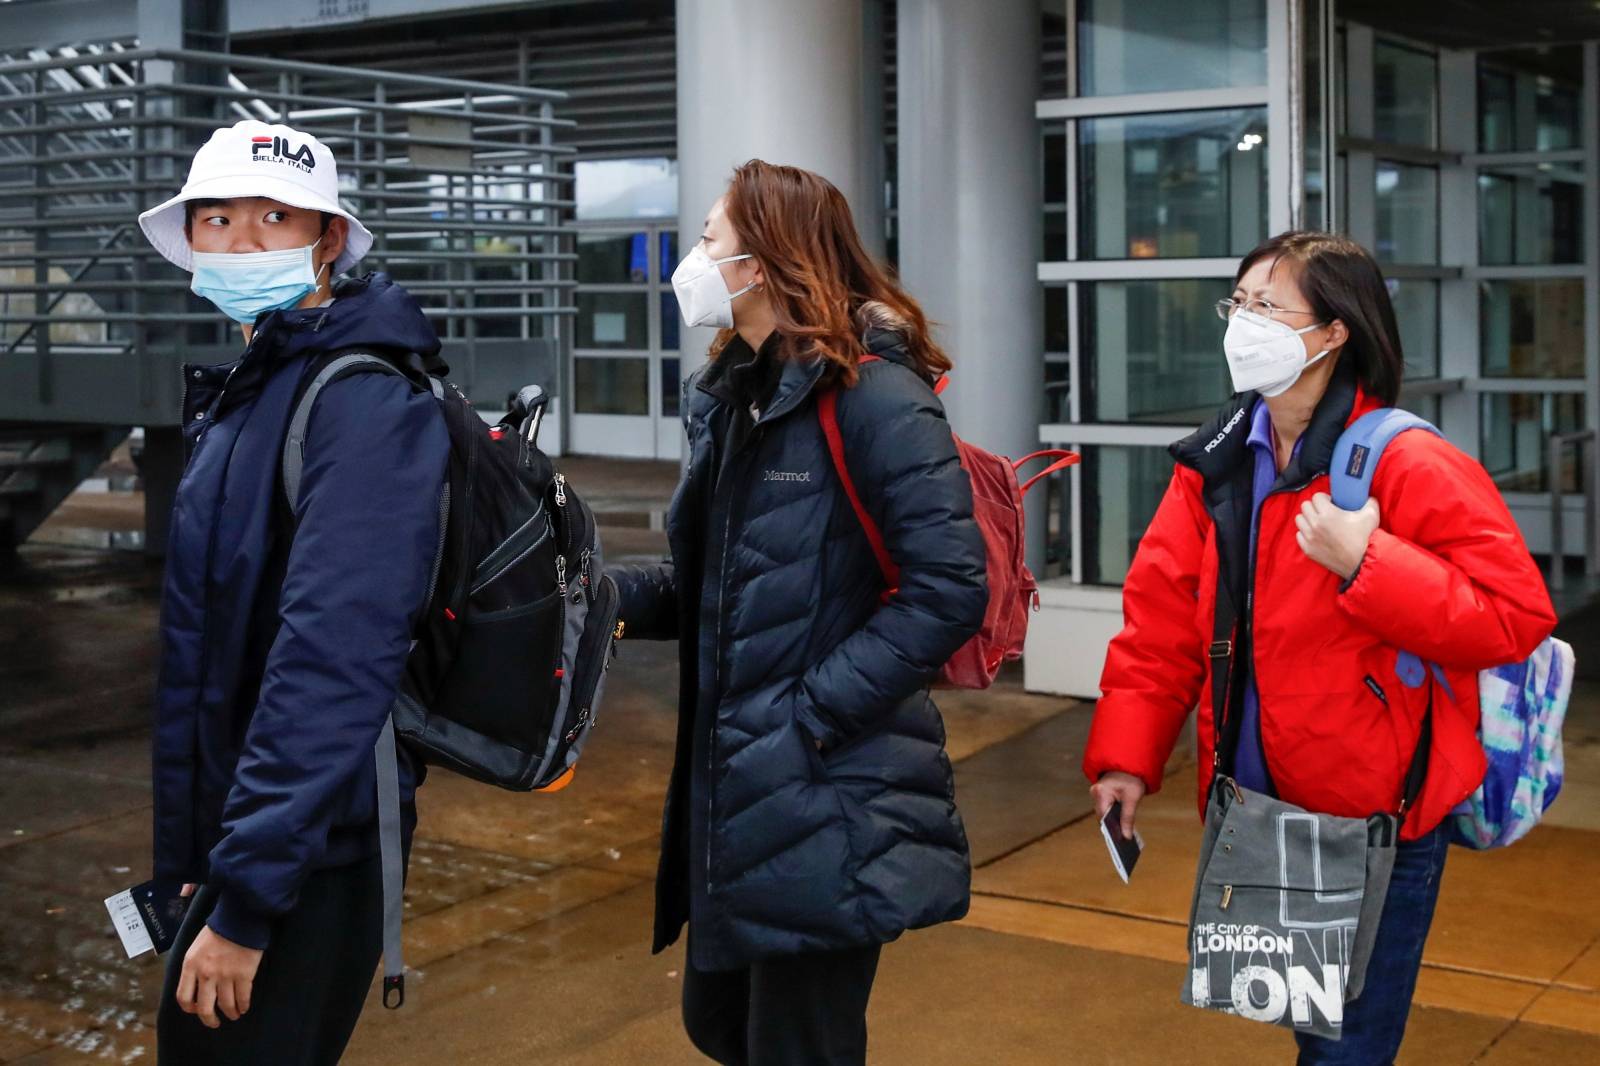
(528, 917)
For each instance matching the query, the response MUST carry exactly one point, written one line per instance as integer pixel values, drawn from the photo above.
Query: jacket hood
(367, 312)
(371, 313)
(883, 333)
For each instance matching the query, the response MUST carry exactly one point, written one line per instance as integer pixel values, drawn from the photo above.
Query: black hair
(1340, 279)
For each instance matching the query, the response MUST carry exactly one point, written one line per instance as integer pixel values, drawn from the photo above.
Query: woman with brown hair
(810, 816)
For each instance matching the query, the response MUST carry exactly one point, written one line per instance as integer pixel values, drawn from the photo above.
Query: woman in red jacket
(1326, 599)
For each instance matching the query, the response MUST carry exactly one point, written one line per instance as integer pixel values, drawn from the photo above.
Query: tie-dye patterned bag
(1523, 706)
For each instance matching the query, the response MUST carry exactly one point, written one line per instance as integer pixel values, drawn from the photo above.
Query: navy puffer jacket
(769, 846)
(284, 635)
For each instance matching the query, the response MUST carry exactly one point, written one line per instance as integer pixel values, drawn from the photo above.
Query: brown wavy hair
(824, 287)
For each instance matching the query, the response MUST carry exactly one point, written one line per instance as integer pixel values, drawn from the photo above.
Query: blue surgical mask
(245, 284)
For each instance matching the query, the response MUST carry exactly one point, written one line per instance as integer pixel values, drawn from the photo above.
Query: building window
(1057, 390)
(1515, 429)
(1407, 208)
(1405, 91)
(1057, 339)
(612, 386)
(613, 320)
(1530, 215)
(1155, 351)
(1054, 184)
(626, 188)
(1165, 45)
(612, 258)
(671, 385)
(1416, 313)
(1531, 328)
(1187, 184)
(1529, 99)
(670, 318)
(1122, 487)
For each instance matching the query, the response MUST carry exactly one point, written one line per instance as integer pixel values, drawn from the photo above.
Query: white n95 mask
(703, 297)
(1264, 355)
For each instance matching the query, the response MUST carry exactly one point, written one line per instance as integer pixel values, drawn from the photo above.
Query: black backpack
(508, 658)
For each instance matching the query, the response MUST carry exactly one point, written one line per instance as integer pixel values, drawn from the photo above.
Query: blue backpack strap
(1360, 446)
(1355, 461)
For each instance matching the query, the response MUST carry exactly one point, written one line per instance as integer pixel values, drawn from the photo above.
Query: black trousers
(311, 986)
(800, 1010)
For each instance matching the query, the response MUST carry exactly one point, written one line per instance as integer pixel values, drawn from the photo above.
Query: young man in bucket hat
(284, 632)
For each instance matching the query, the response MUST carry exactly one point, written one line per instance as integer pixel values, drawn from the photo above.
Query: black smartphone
(1124, 852)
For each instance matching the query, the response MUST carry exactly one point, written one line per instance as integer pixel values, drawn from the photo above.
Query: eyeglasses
(1228, 305)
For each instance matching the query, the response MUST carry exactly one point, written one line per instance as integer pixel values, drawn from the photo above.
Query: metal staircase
(41, 465)
(462, 182)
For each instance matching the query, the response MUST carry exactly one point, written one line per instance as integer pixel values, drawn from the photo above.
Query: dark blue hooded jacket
(284, 636)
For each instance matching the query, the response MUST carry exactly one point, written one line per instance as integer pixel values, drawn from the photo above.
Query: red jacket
(1446, 576)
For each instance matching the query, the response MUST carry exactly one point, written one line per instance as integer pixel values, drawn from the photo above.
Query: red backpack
(997, 505)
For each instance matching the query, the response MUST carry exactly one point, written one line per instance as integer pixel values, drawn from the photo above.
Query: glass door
(625, 365)
(1164, 129)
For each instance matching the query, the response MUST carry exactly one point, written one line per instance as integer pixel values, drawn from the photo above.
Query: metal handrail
(324, 106)
(454, 177)
(1591, 519)
(62, 292)
(205, 318)
(286, 66)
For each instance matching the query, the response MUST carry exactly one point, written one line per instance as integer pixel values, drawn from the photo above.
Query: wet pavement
(528, 917)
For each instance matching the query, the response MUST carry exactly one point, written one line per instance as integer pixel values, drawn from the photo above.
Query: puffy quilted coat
(283, 637)
(770, 847)
(1446, 576)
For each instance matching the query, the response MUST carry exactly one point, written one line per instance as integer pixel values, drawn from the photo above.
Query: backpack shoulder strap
(294, 442)
(828, 415)
(385, 753)
(1350, 473)
(1360, 446)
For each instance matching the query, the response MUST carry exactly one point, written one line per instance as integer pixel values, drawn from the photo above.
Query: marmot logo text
(787, 475)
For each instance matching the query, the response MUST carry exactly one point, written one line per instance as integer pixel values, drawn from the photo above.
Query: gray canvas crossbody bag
(1286, 902)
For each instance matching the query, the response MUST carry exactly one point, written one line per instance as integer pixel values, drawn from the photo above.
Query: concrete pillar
(170, 24)
(970, 215)
(869, 207)
(775, 81)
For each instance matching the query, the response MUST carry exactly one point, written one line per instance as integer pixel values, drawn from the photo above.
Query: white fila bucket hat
(252, 158)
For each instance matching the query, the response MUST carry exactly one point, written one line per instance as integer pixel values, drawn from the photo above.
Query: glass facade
(1122, 488)
(1405, 95)
(613, 320)
(1531, 328)
(1529, 100)
(1142, 46)
(671, 387)
(612, 257)
(625, 332)
(1535, 315)
(1142, 206)
(1157, 351)
(612, 386)
(1407, 207)
(1530, 215)
(1180, 185)
(1416, 312)
(1515, 427)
